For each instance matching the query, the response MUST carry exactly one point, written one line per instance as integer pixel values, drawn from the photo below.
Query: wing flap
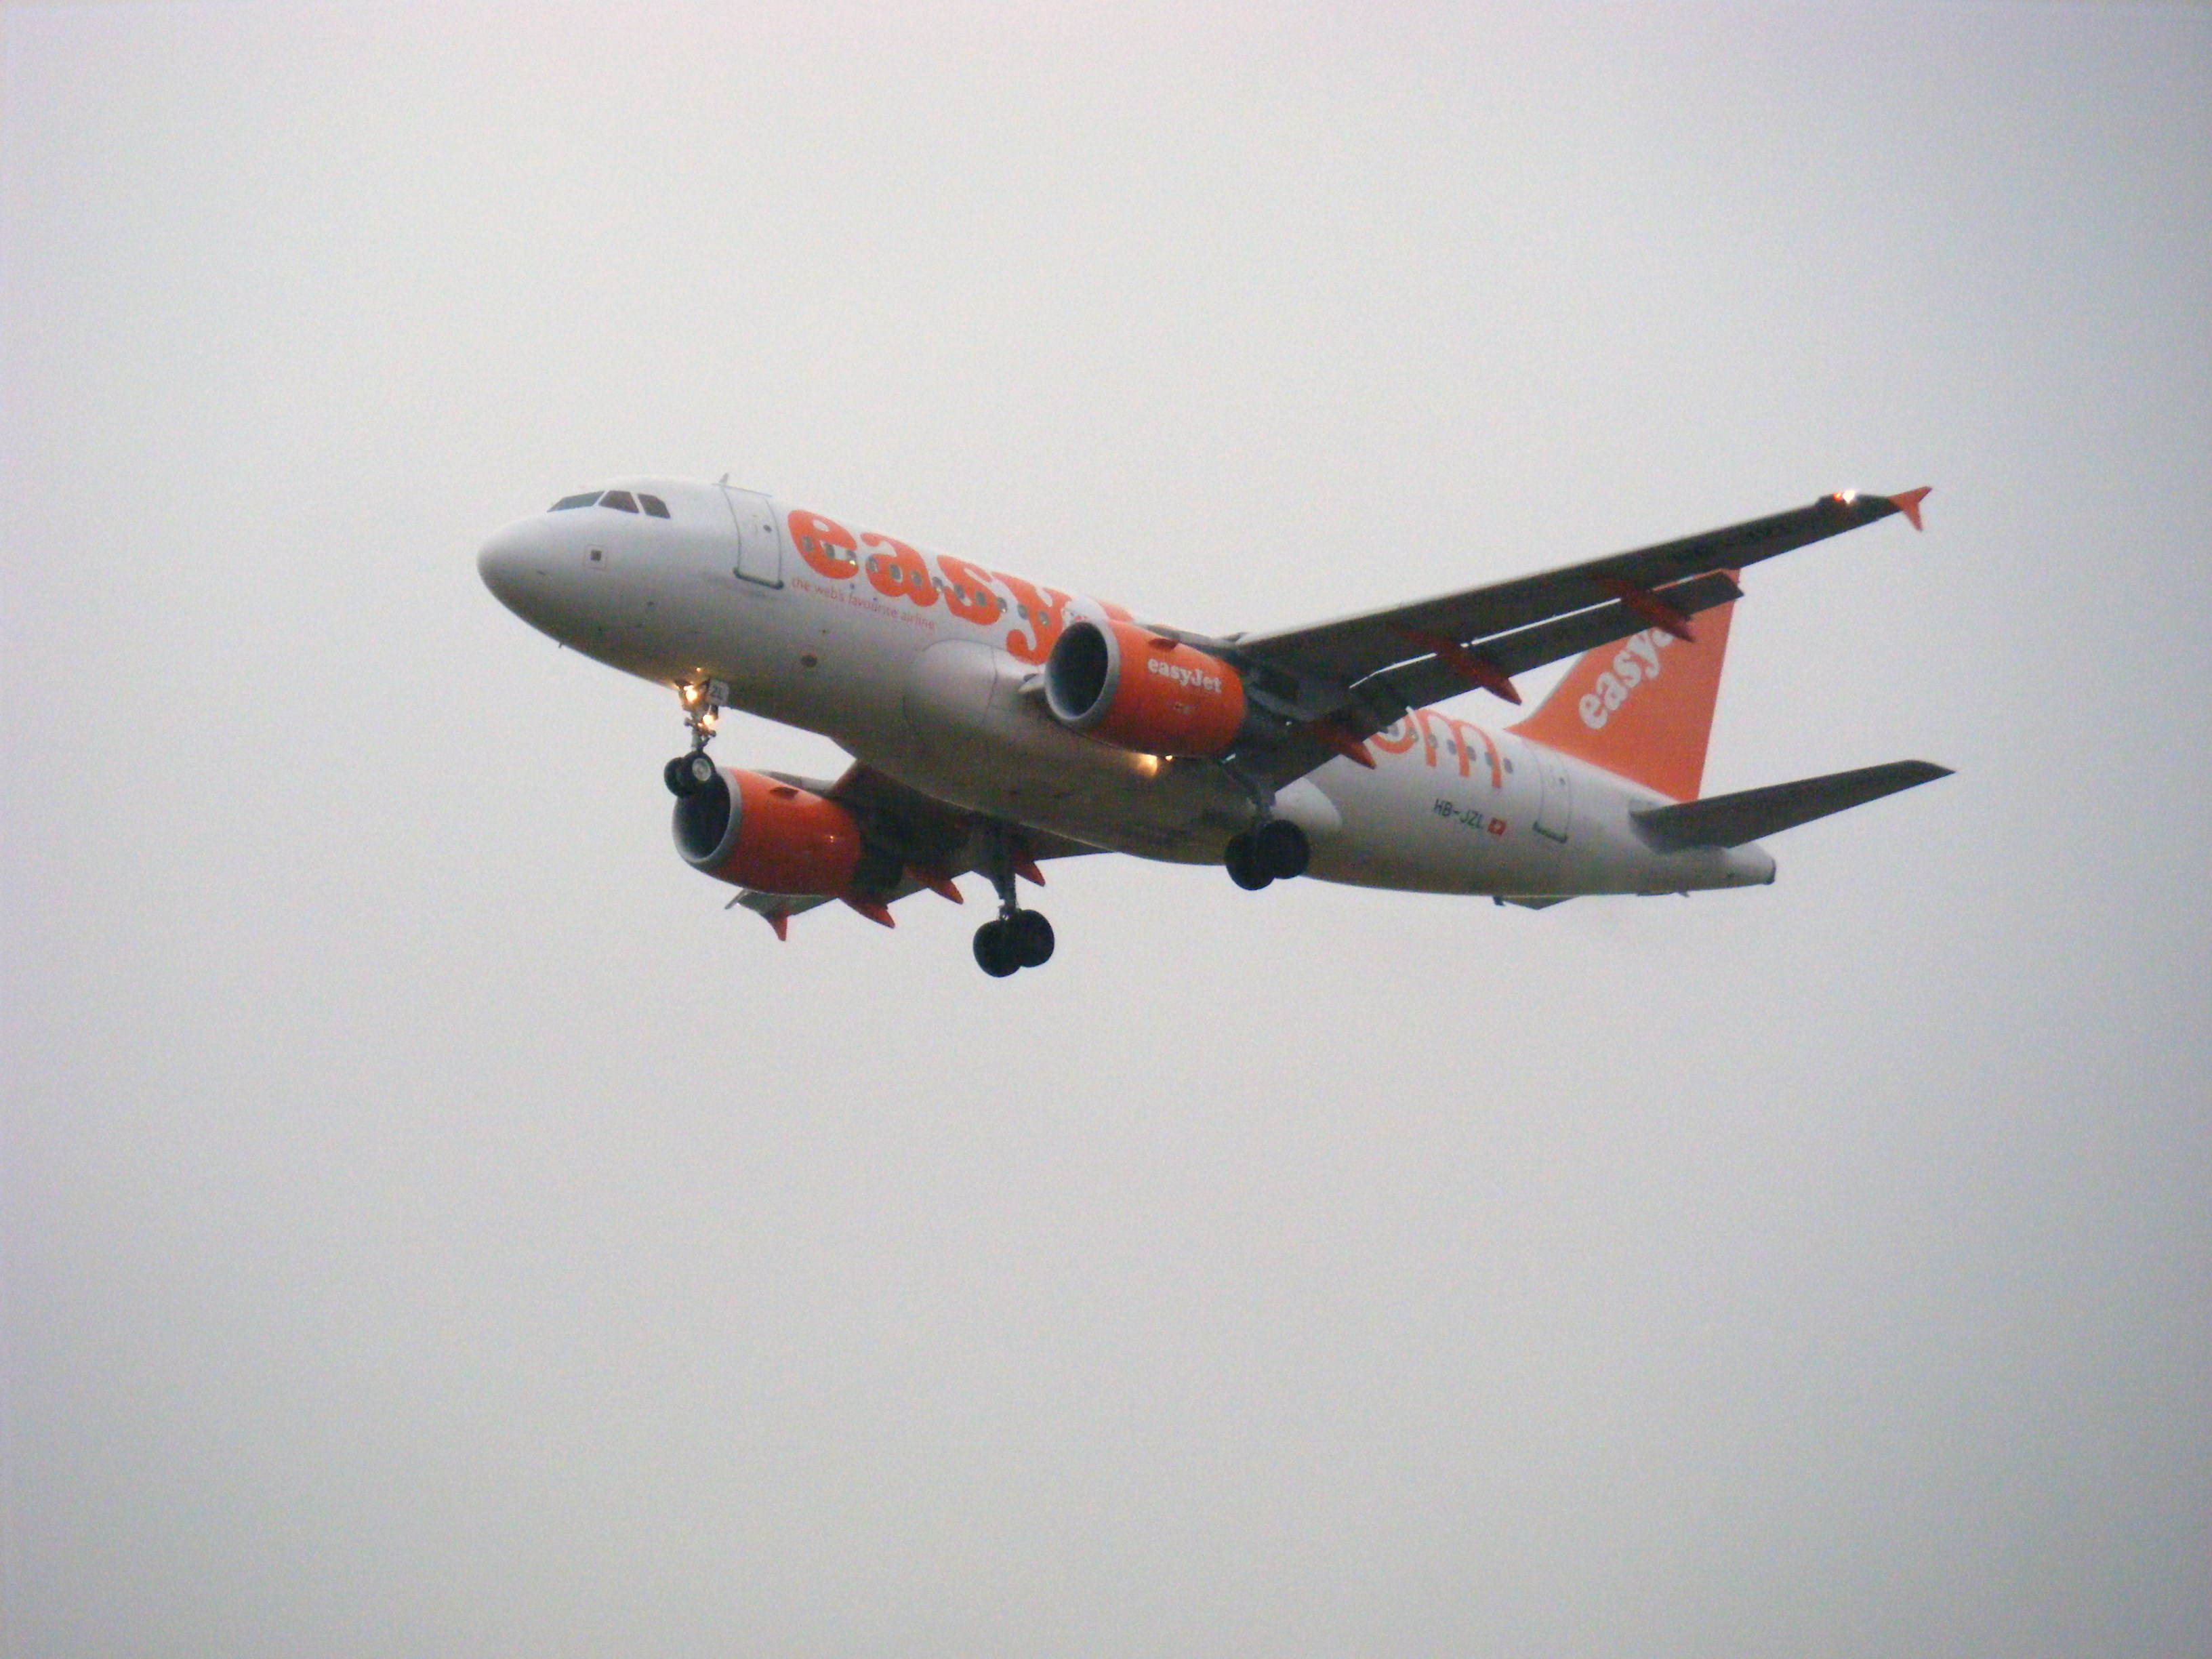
(1753, 814)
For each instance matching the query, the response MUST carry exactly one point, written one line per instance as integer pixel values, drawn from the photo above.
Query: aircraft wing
(1350, 650)
(1432, 678)
(1340, 682)
(915, 843)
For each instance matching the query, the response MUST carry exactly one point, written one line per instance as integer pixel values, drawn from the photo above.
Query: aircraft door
(1555, 813)
(760, 549)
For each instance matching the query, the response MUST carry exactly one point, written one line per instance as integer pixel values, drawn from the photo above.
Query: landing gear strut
(1276, 851)
(691, 772)
(1018, 939)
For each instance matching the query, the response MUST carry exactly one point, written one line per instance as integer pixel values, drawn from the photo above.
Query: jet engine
(757, 832)
(1138, 690)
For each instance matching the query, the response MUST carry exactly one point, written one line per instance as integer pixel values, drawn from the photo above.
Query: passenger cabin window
(619, 499)
(654, 507)
(567, 501)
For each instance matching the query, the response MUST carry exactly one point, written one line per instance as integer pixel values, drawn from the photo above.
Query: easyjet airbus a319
(996, 723)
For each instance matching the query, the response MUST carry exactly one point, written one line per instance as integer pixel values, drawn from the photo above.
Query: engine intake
(756, 832)
(1137, 689)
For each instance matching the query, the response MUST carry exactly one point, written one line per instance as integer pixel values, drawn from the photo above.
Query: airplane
(995, 723)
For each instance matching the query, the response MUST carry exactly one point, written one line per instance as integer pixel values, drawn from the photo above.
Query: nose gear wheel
(688, 774)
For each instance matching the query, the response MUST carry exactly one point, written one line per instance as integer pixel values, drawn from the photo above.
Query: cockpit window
(620, 499)
(652, 505)
(567, 501)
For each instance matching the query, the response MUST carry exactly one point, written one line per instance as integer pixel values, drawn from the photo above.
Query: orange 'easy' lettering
(818, 540)
(970, 596)
(1045, 619)
(899, 572)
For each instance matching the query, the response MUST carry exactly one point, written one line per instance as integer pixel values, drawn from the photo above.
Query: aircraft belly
(1446, 815)
(970, 736)
(1181, 820)
(1420, 823)
(799, 663)
(1611, 855)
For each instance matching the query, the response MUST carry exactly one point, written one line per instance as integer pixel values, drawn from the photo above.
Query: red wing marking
(936, 880)
(873, 910)
(1474, 670)
(1909, 503)
(1343, 742)
(1026, 868)
(1649, 606)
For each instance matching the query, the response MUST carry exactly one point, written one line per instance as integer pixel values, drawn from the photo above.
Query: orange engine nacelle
(754, 831)
(1142, 690)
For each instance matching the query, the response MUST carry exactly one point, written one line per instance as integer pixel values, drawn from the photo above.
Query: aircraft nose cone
(512, 564)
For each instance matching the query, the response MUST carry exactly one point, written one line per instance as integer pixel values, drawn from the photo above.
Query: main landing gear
(688, 774)
(1023, 939)
(1276, 851)
(1019, 938)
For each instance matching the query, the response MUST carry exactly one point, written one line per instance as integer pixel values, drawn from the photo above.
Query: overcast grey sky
(433, 1226)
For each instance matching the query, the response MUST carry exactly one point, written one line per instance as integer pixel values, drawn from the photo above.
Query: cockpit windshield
(620, 500)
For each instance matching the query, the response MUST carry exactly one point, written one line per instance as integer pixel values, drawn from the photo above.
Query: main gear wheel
(1276, 851)
(1023, 939)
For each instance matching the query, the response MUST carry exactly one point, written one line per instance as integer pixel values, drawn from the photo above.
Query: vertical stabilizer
(1641, 708)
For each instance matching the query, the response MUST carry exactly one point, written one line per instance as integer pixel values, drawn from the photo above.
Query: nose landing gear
(1276, 851)
(686, 775)
(1018, 939)
(690, 773)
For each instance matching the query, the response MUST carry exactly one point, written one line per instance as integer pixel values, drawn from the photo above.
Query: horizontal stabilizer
(1732, 820)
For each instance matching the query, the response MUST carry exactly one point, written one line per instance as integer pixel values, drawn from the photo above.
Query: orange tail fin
(1641, 708)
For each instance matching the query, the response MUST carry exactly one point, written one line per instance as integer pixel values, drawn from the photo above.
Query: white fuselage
(926, 668)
